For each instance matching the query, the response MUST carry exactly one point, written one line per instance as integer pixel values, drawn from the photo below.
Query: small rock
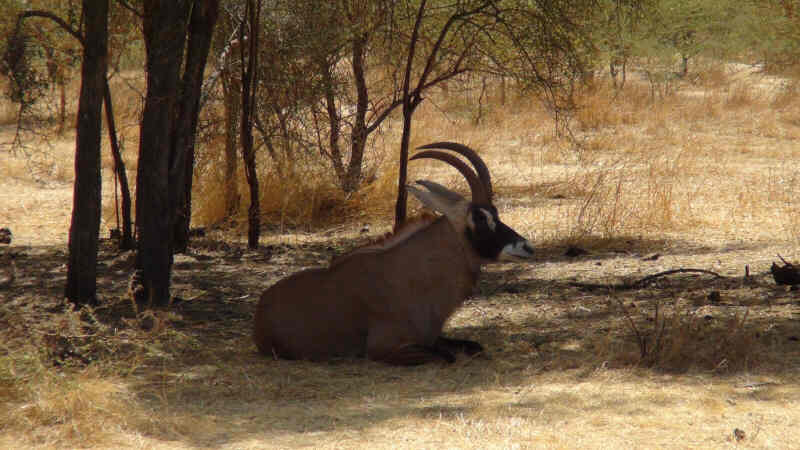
(580, 312)
(147, 322)
(5, 236)
(573, 251)
(738, 434)
(786, 274)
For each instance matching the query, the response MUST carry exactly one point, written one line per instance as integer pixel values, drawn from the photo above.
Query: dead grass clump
(55, 391)
(680, 338)
(603, 106)
(742, 95)
(699, 110)
(624, 195)
(787, 95)
(598, 109)
(304, 193)
(67, 409)
(712, 76)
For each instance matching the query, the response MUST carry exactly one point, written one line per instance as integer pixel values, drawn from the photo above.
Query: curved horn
(479, 193)
(472, 156)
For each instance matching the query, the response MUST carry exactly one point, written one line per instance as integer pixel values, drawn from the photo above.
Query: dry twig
(641, 282)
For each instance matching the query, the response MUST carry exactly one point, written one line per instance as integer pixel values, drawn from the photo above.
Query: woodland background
(653, 135)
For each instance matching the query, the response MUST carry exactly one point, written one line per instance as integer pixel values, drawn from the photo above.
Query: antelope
(389, 301)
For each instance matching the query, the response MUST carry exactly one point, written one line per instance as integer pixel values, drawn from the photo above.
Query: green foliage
(26, 82)
(663, 36)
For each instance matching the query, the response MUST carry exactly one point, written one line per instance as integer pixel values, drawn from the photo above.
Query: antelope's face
(491, 239)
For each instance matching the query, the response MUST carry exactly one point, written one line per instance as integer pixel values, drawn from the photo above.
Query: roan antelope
(389, 301)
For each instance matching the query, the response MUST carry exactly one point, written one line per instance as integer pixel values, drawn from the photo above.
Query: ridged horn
(472, 156)
(479, 193)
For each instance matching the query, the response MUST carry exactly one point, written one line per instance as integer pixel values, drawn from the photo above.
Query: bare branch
(48, 15)
(644, 281)
(130, 8)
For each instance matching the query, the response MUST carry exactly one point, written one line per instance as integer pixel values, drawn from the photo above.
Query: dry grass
(705, 177)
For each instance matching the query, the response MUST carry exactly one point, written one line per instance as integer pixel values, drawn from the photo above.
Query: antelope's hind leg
(470, 348)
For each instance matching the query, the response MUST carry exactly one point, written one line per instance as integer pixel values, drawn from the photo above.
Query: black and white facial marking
(491, 238)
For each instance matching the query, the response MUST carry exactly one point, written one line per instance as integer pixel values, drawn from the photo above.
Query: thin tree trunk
(127, 241)
(62, 108)
(358, 136)
(335, 124)
(84, 229)
(201, 25)
(409, 104)
(232, 92)
(249, 83)
(402, 193)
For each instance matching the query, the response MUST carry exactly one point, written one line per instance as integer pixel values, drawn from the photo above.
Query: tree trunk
(62, 107)
(249, 83)
(232, 91)
(334, 122)
(84, 229)
(400, 210)
(410, 103)
(127, 242)
(201, 26)
(164, 25)
(358, 136)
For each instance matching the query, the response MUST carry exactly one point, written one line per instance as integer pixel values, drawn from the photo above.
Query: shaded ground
(195, 368)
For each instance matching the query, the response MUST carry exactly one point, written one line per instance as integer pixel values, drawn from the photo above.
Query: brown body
(352, 308)
(389, 301)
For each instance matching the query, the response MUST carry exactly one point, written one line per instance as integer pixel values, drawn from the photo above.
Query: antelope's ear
(438, 197)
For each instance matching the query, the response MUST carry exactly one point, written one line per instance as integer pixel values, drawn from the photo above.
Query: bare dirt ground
(577, 356)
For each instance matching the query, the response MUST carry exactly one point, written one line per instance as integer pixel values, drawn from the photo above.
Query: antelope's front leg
(459, 346)
(413, 355)
(393, 344)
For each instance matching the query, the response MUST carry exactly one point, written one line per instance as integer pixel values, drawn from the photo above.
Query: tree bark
(201, 26)
(126, 242)
(84, 229)
(409, 104)
(249, 83)
(402, 193)
(232, 90)
(413, 97)
(358, 136)
(334, 122)
(164, 24)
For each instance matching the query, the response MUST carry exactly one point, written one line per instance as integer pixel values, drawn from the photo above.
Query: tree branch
(130, 8)
(48, 15)
(644, 281)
